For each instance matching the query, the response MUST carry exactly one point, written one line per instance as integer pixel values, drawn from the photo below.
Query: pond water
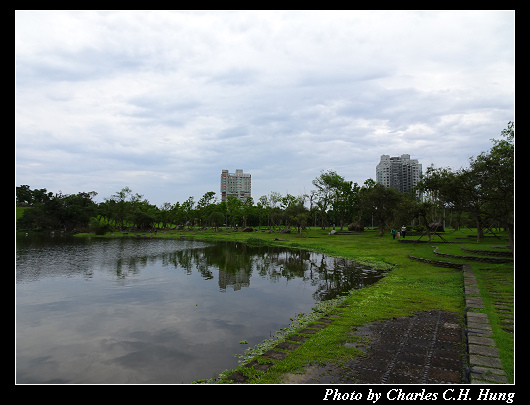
(158, 311)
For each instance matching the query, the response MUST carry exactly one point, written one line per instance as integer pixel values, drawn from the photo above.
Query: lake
(158, 311)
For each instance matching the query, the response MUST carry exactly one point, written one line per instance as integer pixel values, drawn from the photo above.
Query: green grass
(410, 286)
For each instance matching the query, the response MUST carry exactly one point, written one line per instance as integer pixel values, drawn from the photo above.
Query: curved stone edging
(493, 260)
(438, 263)
(489, 252)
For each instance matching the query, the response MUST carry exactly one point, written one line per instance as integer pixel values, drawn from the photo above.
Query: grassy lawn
(410, 286)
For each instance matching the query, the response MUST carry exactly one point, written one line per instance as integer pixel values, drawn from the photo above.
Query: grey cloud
(174, 97)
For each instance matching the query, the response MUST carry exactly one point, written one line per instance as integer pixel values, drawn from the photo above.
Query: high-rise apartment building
(236, 184)
(402, 173)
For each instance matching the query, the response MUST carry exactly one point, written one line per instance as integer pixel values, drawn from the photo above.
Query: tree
(24, 195)
(216, 218)
(327, 185)
(165, 214)
(205, 206)
(445, 187)
(59, 212)
(118, 206)
(188, 212)
(494, 171)
(346, 202)
(275, 213)
(263, 210)
(142, 214)
(247, 210)
(485, 189)
(295, 212)
(380, 201)
(234, 206)
(176, 214)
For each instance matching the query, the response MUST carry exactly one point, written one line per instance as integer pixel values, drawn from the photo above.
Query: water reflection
(232, 263)
(125, 310)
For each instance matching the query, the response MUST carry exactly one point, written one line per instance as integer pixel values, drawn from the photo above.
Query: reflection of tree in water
(235, 263)
(339, 276)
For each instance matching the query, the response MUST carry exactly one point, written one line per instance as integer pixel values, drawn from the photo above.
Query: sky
(162, 101)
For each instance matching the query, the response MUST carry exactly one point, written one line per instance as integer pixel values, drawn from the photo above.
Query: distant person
(403, 231)
(393, 231)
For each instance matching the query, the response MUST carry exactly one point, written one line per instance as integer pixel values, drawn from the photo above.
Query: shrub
(256, 242)
(98, 227)
(355, 227)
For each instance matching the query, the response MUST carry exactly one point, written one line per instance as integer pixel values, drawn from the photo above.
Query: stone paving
(484, 362)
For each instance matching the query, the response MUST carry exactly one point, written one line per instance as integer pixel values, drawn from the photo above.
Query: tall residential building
(235, 184)
(402, 173)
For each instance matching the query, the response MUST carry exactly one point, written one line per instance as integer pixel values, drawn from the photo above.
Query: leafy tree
(234, 207)
(380, 201)
(188, 211)
(263, 210)
(216, 218)
(296, 213)
(444, 187)
(118, 207)
(142, 214)
(485, 189)
(346, 202)
(24, 195)
(494, 172)
(165, 214)
(247, 210)
(205, 206)
(327, 185)
(59, 212)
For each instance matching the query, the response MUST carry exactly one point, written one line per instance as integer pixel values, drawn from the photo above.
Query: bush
(355, 227)
(256, 242)
(98, 227)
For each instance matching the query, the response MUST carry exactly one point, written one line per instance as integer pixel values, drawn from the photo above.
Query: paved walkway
(425, 348)
(484, 362)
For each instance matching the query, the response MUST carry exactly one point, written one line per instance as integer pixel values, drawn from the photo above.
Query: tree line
(480, 196)
(484, 192)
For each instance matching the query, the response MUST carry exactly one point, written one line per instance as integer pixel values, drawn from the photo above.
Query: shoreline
(410, 287)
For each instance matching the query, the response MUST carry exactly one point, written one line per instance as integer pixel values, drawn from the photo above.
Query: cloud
(165, 100)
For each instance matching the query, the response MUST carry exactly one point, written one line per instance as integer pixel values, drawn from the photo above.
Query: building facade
(236, 184)
(401, 173)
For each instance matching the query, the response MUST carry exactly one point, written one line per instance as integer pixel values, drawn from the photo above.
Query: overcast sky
(163, 101)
